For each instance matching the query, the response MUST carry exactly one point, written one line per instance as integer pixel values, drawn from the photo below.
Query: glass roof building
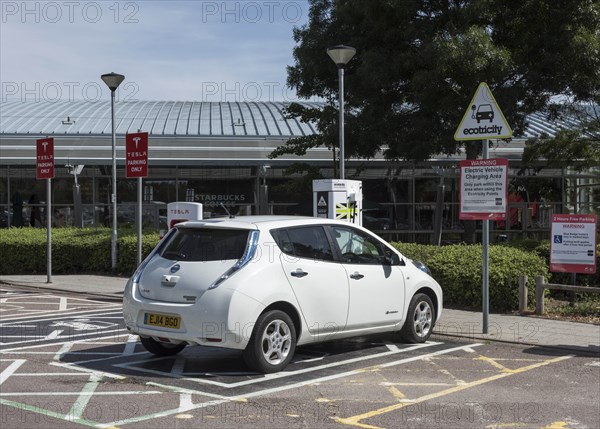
(218, 152)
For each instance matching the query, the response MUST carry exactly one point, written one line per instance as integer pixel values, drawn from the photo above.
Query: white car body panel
(377, 299)
(322, 294)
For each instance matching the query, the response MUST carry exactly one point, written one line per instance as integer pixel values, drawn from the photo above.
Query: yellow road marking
(444, 371)
(505, 425)
(396, 393)
(494, 364)
(557, 425)
(356, 420)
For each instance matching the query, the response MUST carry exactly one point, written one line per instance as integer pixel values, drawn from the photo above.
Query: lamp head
(341, 54)
(112, 80)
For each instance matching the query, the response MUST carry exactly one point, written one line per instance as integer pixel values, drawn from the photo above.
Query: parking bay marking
(18, 350)
(273, 390)
(267, 377)
(356, 420)
(187, 406)
(4, 375)
(100, 311)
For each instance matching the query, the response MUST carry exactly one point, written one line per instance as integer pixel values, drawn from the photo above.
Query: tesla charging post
(483, 183)
(182, 212)
(338, 199)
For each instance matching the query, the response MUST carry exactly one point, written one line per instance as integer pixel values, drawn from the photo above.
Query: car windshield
(205, 244)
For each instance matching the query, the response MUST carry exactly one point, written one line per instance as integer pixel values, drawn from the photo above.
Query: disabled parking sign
(483, 118)
(573, 244)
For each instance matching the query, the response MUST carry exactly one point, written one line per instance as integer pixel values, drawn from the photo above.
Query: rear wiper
(174, 254)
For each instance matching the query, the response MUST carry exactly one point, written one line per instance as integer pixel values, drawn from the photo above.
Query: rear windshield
(192, 244)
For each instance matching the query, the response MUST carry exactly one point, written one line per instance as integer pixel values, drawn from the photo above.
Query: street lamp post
(340, 55)
(113, 80)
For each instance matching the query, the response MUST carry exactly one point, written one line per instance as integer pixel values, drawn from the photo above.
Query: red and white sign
(573, 243)
(182, 212)
(483, 189)
(136, 155)
(44, 162)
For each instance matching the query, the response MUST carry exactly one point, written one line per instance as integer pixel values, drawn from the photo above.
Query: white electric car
(265, 284)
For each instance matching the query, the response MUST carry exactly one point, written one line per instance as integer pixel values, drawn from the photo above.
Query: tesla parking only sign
(44, 159)
(136, 150)
(483, 118)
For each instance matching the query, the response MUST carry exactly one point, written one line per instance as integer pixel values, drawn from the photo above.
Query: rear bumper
(222, 317)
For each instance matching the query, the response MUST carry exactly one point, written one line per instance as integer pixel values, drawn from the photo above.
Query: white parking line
(84, 397)
(89, 371)
(83, 394)
(56, 335)
(4, 375)
(70, 315)
(115, 334)
(268, 377)
(130, 345)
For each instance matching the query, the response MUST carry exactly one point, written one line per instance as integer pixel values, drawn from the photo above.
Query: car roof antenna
(227, 211)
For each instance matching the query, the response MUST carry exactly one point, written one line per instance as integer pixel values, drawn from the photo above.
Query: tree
(419, 62)
(577, 145)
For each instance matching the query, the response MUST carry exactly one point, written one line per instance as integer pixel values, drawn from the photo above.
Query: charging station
(181, 212)
(338, 199)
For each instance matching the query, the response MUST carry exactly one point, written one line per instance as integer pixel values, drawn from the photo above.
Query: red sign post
(44, 170)
(136, 166)
(136, 155)
(44, 159)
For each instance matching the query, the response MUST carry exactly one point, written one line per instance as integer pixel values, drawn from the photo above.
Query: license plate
(162, 320)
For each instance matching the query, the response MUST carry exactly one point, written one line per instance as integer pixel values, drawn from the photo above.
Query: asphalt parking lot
(67, 361)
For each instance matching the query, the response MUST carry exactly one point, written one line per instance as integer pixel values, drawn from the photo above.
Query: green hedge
(458, 269)
(74, 250)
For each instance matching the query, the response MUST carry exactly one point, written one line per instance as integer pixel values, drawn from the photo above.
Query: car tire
(272, 343)
(419, 320)
(161, 349)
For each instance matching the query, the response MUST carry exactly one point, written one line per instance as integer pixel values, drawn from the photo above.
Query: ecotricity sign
(483, 118)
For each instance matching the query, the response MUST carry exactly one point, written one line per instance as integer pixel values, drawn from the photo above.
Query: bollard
(522, 294)
(539, 295)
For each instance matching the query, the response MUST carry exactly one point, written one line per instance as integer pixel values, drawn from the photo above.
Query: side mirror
(393, 259)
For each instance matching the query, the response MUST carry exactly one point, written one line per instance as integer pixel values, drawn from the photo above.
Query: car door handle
(299, 273)
(356, 276)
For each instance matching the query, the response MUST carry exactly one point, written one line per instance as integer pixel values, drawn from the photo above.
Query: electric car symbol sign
(483, 118)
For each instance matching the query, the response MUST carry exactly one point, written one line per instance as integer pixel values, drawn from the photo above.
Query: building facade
(218, 154)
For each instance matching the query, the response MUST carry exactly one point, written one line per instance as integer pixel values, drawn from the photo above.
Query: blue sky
(167, 50)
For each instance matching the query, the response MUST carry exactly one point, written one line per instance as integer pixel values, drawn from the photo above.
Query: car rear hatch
(193, 259)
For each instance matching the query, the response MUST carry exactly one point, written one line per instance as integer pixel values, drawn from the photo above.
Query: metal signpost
(44, 164)
(136, 166)
(484, 120)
